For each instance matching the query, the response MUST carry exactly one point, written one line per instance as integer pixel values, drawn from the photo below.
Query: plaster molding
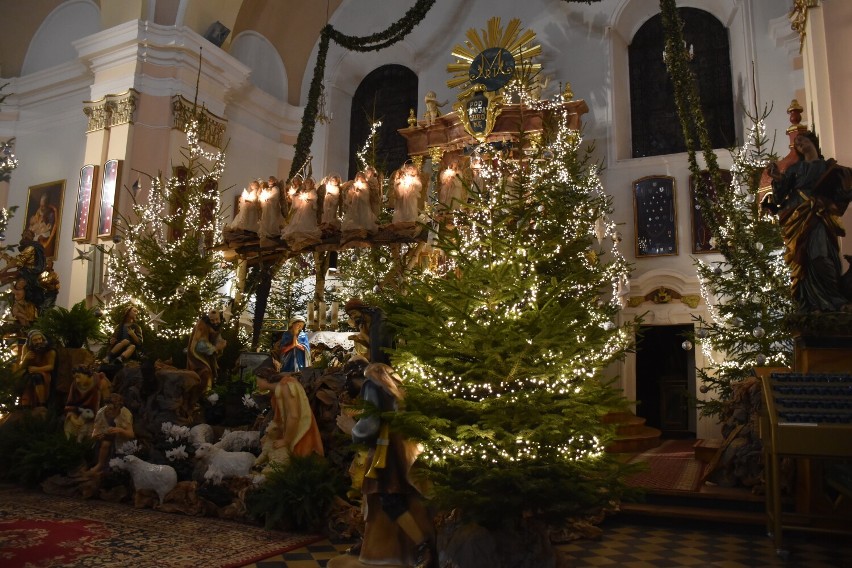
(111, 110)
(652, 281)
(177, 48)
(49, 85)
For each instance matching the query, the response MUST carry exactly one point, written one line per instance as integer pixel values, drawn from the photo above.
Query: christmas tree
(166, 264)
(503, 349)
(748, 292)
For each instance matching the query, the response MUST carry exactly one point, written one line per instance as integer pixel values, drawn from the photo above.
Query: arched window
(655, 125)
(387, 94)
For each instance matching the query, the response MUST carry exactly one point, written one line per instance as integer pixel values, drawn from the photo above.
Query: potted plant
(73, 328)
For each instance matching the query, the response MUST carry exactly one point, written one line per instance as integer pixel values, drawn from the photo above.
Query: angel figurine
(301, 230)
(248, 217)
(359, 221)
(329, 200)
(452, 193)
(432, 107)
(407, 199)
(271, 218)
(375, 186)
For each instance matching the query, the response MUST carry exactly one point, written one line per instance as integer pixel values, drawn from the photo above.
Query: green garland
(688, 103)
(394, 33)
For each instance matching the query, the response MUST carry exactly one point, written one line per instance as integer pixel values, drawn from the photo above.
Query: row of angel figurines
(306, 213)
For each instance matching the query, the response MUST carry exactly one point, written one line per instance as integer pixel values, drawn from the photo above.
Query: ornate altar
(448, 139)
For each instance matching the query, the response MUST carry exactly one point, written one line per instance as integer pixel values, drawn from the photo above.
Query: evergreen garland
(394, 33)
(688, 104)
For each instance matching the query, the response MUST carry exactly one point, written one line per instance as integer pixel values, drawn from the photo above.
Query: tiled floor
(643, 543)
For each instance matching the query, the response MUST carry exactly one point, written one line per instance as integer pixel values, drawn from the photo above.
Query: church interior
(425, 283)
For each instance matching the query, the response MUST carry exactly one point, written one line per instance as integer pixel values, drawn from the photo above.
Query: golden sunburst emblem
(493, 57)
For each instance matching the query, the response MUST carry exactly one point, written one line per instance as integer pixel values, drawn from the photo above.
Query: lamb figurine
(238, 440)
(200, 433)
(158, 478)
(221, 463)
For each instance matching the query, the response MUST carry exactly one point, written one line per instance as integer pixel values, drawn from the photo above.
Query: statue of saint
(810, 197)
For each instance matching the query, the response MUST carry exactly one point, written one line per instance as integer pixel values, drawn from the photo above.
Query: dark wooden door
(663, 371)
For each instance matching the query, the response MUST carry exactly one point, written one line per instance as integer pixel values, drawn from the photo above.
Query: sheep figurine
(158, 478)
(200, 434)
(221, 463)
(239, 440)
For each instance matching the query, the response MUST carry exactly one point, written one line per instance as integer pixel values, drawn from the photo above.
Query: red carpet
(671, 467)
(45, 531)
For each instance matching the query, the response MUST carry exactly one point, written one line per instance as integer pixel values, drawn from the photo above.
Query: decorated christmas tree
(165, 263)
(748, 292)
(503, 347)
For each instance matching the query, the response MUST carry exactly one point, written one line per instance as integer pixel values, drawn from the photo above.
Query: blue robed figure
(294, 350)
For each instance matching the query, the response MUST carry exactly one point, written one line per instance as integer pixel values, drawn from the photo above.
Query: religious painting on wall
(702, 233)
(655, 216)
(83, 213)
(109, 198)
(44, 213)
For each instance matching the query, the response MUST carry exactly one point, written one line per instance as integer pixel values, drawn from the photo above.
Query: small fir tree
(165, 263)
(503, 350)
(748, 292)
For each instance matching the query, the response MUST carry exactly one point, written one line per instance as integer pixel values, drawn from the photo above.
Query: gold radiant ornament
(489, 60)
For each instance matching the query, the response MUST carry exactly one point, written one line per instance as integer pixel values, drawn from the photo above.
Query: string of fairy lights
(773, 270)
(177, 220)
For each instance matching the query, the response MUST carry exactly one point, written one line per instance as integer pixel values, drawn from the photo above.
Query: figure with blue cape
(293, 351)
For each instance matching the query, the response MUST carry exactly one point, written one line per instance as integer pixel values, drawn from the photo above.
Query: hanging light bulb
(686, 345)
(758, 332)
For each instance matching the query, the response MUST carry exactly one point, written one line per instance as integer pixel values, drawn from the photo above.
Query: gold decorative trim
(211, 128)
(111, 110)
(435, 154)
(663, 295)
(480, 57)
(492, 110)
(799, 18)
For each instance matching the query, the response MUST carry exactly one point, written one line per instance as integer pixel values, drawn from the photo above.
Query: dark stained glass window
(655, 124)
(386, 94)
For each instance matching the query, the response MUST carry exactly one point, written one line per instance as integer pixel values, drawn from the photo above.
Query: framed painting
(655, 216)
(109, 198)
(83, 214)
(702, 232)
(44, 213)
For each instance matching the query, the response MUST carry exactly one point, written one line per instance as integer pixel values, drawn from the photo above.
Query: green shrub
(72, 328)
(296, 496)
(35, 448)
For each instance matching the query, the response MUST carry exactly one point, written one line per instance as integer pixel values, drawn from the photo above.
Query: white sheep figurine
(200, 434)
(159, 478)
(239, 439)
(221, 463)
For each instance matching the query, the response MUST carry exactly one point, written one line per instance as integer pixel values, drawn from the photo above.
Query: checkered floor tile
(645, 543)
